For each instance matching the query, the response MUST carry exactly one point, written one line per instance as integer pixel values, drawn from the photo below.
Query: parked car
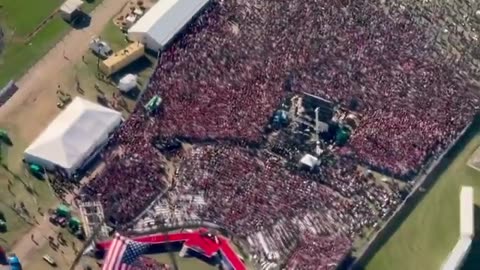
(100, 48)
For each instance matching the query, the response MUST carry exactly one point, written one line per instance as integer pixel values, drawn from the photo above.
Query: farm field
(20, 18)
(428, 234)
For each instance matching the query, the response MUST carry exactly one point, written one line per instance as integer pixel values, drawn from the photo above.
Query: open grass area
(425, 238)
(16, 184)
(15, 172)
(21, 17)
(86, 71)
(24, 189)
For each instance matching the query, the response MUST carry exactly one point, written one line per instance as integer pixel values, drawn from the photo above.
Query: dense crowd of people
(412, 106)
(230, 176)
(147, 263)
(318, 252)
(225, 77)
(132, 178)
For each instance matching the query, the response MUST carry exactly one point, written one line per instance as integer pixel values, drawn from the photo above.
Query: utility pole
(317, 124)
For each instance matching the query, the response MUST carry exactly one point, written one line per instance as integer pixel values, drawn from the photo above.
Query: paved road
(36, 99)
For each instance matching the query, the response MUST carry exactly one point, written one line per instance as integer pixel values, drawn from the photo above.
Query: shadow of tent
(133, 94)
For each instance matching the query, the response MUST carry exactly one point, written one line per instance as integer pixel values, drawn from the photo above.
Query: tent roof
(467, 226)
(128, 78)
(71, 5)
(166, 18)
(309, 160)
(458, 253)
(74, 134)
(127, 82)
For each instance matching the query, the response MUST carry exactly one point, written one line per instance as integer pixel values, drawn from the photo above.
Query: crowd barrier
(423, 183)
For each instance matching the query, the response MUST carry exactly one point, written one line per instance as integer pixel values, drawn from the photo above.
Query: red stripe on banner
(118, 258)
(118, 245)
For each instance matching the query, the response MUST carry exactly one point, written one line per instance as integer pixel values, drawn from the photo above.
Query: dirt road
(34, 104)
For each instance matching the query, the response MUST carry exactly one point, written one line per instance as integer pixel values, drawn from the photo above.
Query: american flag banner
(123, 253)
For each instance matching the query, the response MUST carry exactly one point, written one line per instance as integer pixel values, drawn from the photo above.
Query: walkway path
(36, 99)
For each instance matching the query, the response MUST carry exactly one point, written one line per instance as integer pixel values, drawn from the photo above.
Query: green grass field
(21, 17)
(16, 58)
(426, 237)
(86, 71)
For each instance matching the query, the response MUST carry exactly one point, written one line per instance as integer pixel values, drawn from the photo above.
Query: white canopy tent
(69, 7)
(163, 21)
(458, 254)
(309, 161)
(74, 136)
(127, 82)
(467, 202)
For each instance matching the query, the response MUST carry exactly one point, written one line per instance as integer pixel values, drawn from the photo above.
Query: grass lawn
(21, 179)
(426, 237)
(21, 17)
(86, 71)
(34, 193)
(24, 188)
(114, 36)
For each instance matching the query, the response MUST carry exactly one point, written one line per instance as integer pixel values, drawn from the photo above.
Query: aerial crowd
(130, 180)
(226, 75)
(237, 62)
(229, 176)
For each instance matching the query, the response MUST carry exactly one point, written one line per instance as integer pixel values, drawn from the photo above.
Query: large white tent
(74, 136)
(127, 83)
(69, 8)
(467, 231)
(467, 227)
(163, 21)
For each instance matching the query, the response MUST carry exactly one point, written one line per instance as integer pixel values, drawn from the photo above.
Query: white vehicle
(100, 48)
